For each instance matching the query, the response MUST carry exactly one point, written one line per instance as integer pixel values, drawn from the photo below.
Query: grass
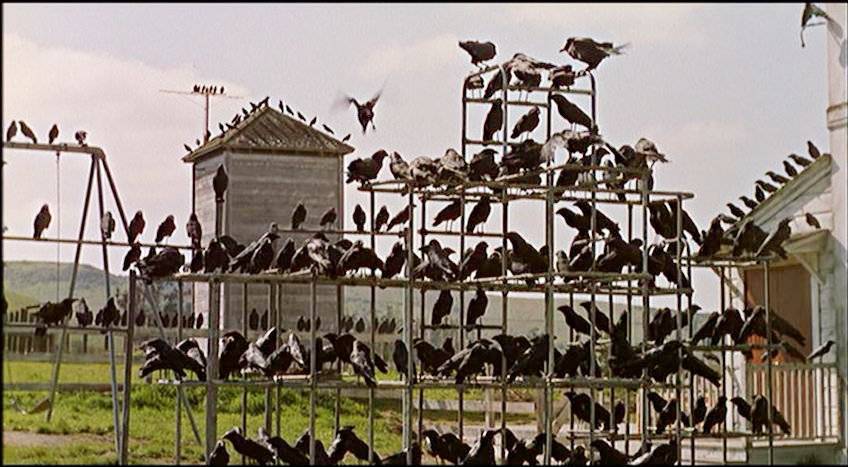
(85, 418)
(152, 419)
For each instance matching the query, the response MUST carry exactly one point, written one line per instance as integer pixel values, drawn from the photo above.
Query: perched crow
(136, 227)
(571, 112)
(526, 124)
(249, 448)
(399, 357)
(359, 218)
(716, 414)
(346, 441)
(476, 308)
(812, 221)
(193, 229)
(42, 221)
(11, 131)
(284, 451)
(219, 184)
(166, 229)
(494, 120)
(442, 307)
(774, 242)
(27, 131)
(802, 161)
(328, 219)
(608, 454)
(163, 264)
(219, 455)
(483, 166)
(483, 451)
(700, 411)
(479, 213)
(821, 351)
(590, 52)
(479, 51)
(233, 345)
(54, 133)
(381, 218)
(449, 213)
(298, 216)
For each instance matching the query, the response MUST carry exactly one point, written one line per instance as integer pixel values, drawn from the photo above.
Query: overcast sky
(725, 90)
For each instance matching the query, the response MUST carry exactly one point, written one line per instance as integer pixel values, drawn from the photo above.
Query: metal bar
(313, 368)
(213, 326)
(123, 458)
(178, 432)
(769, 363)
(678, 377)
(722, 305)
(109, 335)
(244, 395)
(407, 332)
(58, 148)
(54, 379)
(272, 311)
(372, 325)
(103, 242)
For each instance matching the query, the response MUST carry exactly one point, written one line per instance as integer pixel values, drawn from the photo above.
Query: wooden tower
(274, 162)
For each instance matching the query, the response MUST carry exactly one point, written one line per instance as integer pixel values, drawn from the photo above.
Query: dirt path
(26, 438)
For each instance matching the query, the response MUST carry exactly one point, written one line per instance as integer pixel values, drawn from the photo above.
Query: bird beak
(562, 49)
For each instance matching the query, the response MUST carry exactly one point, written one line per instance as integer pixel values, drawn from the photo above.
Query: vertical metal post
(113, 377)
(407, 331)
(54, 379)
(178, 435)
(504, 308)
(768, 362)
(244, 329)
(313, 380)
(128, 348)
(272, 312)
(722, 305)
(212, 366)
(372, 325)
(422, 305)
(678, 377)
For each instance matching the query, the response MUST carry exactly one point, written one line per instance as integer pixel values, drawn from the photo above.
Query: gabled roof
(268, 130)
(789, 191)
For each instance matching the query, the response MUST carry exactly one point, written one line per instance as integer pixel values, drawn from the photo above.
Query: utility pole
(207, 92)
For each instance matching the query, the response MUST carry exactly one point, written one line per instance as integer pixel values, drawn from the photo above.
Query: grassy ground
(81, 431)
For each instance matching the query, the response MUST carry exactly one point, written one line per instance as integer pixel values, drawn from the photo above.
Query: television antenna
(207, 92)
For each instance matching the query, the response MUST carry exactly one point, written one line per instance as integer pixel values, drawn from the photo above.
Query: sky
(726, 91)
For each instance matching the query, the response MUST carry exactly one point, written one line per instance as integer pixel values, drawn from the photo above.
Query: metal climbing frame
(99, 165)
(554, 284)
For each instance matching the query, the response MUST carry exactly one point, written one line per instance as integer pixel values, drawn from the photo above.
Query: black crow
(480, 51)
(494, 120)
(220, 183)
(590, 52)
(249, 448)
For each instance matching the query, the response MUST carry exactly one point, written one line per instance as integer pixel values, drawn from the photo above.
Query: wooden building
(274, 162)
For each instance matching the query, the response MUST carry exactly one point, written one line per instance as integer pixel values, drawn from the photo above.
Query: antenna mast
(207, 92)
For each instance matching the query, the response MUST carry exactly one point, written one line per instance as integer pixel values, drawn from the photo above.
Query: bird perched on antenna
(11, 131)
(480, 51)
(107, 225)
(590, 52)
(27, 131)
(54, 133)
(365, 110)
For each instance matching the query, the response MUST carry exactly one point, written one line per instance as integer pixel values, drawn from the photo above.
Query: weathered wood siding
(204, 207)
(265, 188)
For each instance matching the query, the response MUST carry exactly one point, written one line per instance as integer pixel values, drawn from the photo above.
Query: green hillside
(35, 281)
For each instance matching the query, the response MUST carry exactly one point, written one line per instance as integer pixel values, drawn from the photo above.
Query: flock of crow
(504, 357)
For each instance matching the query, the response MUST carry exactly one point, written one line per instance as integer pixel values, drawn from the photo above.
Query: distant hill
(26, 282)
(35, 281)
